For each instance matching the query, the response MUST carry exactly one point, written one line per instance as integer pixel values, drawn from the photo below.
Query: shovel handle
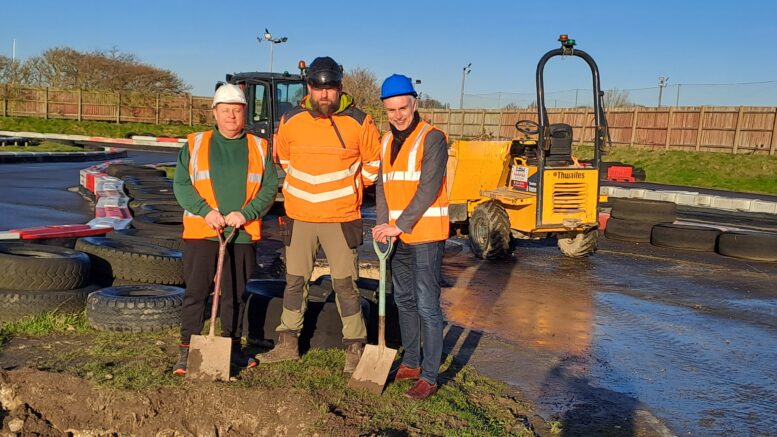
(383, 257)
(223, 241)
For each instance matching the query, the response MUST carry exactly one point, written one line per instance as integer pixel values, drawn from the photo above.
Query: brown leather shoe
(405, 373)
(421, 390)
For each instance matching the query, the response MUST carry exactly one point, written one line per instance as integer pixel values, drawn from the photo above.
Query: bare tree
(362, 84)
(63, 67)
(615, 98)
(429, 103)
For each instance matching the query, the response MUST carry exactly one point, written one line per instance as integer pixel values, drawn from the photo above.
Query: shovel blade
(373, 368)
(209, 358)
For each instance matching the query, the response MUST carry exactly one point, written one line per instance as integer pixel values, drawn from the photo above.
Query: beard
(326, 108)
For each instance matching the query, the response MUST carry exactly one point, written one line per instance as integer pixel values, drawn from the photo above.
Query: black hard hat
(324, 72)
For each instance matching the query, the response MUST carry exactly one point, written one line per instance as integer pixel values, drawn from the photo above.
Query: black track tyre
(758, 246)
(165, 222)
(322, 327)
(135, 261)
(641, 210)
(135, 308)
(147, 195)
(121, 282)
(25, 266)
(17, 304)
(170, 241)
(639, 174)
(628, 230)
(489, 231)
(578, 244)
(689, 237)
(121, 170)
(157, 190)
(136, 206)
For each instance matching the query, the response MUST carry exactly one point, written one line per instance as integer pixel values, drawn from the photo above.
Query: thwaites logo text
(569, 174)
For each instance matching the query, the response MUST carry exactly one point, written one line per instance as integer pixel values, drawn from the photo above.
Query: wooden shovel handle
(217, 280)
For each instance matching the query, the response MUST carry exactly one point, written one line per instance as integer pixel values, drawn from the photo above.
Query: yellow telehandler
(531, 187)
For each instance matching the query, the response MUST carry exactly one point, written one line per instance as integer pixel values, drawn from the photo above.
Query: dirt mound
(42, 403)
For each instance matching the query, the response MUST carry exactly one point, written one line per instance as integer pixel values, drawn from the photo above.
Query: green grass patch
(95, 128)
(745, 173)
(46, 146)
(44, 324)
(467, 404)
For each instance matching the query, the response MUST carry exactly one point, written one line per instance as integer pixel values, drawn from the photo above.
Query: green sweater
(228, 174)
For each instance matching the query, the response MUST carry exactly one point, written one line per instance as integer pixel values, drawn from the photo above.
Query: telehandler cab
(532, 187)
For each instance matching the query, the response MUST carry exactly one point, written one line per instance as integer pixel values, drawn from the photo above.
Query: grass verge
(466, 404)
(95, 128)
(745, 173)
(46, 146)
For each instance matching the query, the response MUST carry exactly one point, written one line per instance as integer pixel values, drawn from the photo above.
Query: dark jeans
(199, 269)
(415, 274)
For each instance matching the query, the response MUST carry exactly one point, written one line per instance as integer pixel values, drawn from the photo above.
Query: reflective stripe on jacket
(328, 161)
(194, 226)
(400, 183)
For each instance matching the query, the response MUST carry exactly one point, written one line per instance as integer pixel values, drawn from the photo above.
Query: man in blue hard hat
(412, 206)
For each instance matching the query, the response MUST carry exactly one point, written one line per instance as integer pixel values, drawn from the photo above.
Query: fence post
(700, 131)
(118, 107)
(483, 123)
(449, 122)
(499, 125)
(5, 101)
(634, 125)
(46, 103)
(773, 146)
(80, 103)
(461, 132)
(669, 127)
(737, 134)
(191, 111)
(156, 110)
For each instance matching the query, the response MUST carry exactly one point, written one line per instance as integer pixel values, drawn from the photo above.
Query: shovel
(375, 364)
(209, 355)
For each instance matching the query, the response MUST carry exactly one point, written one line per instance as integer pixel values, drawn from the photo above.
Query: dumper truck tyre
(757, 246)
(489, 231)
(578, 244)
(135, 308)
(27, 266)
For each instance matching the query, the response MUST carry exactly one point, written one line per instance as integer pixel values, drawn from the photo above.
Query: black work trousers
(199, 269)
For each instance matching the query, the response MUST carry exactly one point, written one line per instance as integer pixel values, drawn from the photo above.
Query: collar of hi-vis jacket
(346, 100)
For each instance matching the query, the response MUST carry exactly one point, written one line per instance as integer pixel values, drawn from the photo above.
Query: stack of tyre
(39, 278)
(651, 221)
(143, 265)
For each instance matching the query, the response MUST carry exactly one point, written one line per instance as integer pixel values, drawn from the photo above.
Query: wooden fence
(104, 106)
(741, 129)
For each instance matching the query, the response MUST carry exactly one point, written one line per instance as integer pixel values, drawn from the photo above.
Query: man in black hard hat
(330, 151)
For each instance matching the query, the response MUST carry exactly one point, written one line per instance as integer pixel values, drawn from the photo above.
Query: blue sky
(633, 42)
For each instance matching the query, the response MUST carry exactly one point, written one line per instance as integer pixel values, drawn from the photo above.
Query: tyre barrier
(322, 327)
(628, 230)
(682, 236)
(120, 170)
(17, 304)
(27, 266)
(163, 222)
(756, 246)
(135, 308)
(651, 211)
(170, 241)
(132, 260)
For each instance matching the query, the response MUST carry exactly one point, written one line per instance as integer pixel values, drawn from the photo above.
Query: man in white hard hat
(224, 179)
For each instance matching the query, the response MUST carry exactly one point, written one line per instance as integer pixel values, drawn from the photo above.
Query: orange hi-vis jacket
(194, 226)
(328, 161)
(400, 183)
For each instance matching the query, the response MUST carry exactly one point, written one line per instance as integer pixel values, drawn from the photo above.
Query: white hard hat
(229, 93)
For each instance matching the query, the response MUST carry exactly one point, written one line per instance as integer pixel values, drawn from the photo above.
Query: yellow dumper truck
(532, 186)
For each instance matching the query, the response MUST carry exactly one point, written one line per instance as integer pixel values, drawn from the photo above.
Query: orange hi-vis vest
(400, 183)
(194, 226)
(327, 162)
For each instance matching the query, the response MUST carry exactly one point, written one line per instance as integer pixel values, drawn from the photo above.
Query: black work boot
(183, 356)
(239, 358)
(353, 353)
(286, 349)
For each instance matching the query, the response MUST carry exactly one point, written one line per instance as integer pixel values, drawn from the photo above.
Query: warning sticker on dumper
(519, 177)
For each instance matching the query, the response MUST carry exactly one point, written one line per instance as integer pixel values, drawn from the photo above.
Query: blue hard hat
(397, 85)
